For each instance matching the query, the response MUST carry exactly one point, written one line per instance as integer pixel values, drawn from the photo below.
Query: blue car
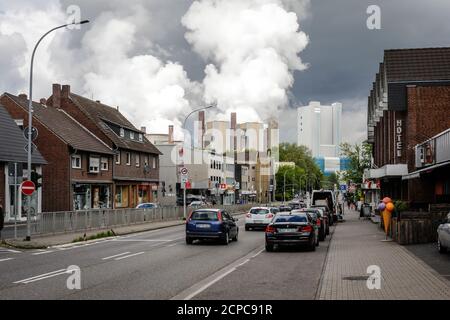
(217, 224)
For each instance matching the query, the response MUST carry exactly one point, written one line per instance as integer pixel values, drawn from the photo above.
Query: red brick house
(78, 174)
(409, 104)
(135, 169)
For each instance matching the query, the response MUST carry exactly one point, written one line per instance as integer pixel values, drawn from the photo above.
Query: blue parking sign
(343, 187)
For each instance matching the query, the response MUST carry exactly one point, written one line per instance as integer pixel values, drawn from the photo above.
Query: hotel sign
(398, 138)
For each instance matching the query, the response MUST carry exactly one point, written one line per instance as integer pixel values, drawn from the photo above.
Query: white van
(325, 197)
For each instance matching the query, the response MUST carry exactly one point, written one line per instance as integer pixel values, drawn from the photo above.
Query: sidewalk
(40, 242)
(356, 244)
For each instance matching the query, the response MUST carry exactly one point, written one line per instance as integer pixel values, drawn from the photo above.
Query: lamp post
(30, 116)
(184, 142)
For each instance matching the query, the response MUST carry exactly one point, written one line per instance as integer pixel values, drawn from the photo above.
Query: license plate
(258, 221)
(287, 230)
(203, 226)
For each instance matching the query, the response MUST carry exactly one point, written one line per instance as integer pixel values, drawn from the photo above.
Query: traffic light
(36, 178)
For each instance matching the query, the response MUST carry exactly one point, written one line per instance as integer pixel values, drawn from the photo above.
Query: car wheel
(312, 246)
(247, 228)
(328, 230)
(226, 240)
(440, 247)
(321, 236)
(269, 247)
(236, 237)
(189, 240)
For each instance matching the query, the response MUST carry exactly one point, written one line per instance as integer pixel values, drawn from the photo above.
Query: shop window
(121, 196)
(104, 164)
(128, 159)
(94, 165)
(82, 197)
(76, 162)
(138, 160)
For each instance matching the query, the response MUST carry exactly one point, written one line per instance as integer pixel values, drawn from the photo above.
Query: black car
(328, 213)
(285, 208)
(292, 229)
(324, 227)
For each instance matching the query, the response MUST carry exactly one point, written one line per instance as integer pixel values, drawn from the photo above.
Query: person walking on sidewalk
(2, 218)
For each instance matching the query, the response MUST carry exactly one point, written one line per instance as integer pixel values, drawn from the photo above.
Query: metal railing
(48, 223)
(433, 151)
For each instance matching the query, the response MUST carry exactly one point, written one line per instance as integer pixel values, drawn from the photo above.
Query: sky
(159, 59)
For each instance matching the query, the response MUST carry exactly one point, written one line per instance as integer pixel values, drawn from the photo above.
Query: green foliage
(328, 182)
(359, 156)
(400, 206)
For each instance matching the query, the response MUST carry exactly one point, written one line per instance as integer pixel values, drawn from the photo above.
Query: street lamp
(30, 116)
(184, 142)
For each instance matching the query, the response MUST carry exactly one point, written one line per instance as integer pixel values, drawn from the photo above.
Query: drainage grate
(356, 278)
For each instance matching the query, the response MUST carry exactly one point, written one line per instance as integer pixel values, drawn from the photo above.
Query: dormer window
(122, 132)
(141, 138)
(131, 135)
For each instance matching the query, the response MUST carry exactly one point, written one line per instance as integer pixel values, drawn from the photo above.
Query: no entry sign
(27, 187)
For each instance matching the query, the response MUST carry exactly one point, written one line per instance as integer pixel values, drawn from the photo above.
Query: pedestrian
(2, 217)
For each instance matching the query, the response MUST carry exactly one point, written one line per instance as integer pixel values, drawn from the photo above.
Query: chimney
(56, 97)
(201, 119)
(43, 101)
(170, 134)
(23, 97)
(65, 91)
(144, 129)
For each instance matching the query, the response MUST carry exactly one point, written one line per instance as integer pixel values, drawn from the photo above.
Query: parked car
(217, 224)
(147, 205)
(197, 204)
(325, 198)
(259, 217)
(295, 205)
(324, 227)
(292, 229)
(444, 235)
(326, 212)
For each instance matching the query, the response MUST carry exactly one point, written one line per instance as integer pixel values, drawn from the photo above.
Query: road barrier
(47, 223)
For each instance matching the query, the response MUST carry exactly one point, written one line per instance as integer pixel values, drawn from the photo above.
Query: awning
(416, 174)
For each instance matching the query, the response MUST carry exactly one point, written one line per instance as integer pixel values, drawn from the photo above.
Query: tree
(330, 181)
(360, 158)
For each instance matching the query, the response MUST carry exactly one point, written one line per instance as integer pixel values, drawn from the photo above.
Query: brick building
(79, 171)
(135, 169)
(409, 103)
(13, 157)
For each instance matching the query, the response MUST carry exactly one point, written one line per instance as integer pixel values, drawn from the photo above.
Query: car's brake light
(306, 229)
(219, 216)
(270, 215)
(270, 229)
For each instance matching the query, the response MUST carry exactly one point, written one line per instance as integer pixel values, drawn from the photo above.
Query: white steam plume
(253, 48)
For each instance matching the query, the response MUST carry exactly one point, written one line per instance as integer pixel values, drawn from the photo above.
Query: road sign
(27, 187)
(33, 148)
(188, 185)
(184, 171)
(34, 133)
(184, 179)
(343, 187)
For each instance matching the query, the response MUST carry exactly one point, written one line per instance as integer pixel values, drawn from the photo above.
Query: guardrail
(48, 223)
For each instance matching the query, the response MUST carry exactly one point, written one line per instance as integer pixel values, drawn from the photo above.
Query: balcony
(434, 151)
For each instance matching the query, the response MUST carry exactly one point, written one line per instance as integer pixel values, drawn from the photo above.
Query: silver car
(444, 235)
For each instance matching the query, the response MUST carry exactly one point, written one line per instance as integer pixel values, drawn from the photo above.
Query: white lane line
(116, 255)
(244, 262)
(128, 256)
(41, 275)
(9, 251)
(172, 245)
(146, 240)
(6, 259)
(257, 254)
(42, 252)
(207, 285)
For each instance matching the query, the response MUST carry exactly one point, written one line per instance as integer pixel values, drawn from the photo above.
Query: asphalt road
(159, 265)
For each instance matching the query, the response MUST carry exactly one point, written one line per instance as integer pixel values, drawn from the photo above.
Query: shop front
(91, 196)
(147, 192)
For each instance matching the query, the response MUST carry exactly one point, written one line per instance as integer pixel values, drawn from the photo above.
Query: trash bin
(366, 211)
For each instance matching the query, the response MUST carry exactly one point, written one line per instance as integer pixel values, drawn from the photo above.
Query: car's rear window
(296, 218)
(204, 216)
(259, 211)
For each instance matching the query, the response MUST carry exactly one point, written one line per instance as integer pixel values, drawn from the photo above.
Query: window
(154, 162)
(137, 160)
(131, 135)
(118, 158)
(141, 138)
(122, 132)
(94, 164)
(104, 164)
(121, 196)
(128, 159)
(76, 162)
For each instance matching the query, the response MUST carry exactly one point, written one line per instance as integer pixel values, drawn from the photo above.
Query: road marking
(201, 286)
(257, 254)
(116, 255)
(9, 251)
(6, 259)
(130, 255)
(42, 252)
(171, 245)
(146, 240)
(42, 276)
